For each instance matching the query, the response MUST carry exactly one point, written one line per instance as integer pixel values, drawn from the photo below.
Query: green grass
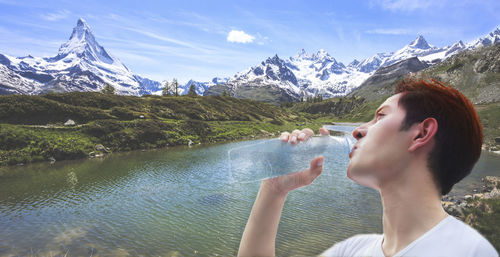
(484, 216)
(490, 118)
(31, 127)
(23, 144)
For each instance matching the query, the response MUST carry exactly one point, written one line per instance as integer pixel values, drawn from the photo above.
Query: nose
(359, 132)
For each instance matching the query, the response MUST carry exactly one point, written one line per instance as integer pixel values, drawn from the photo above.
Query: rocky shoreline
(459, 205)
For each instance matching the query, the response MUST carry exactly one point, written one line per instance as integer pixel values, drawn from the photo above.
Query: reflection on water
(173, 202)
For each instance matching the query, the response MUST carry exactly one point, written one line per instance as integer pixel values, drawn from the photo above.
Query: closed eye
(380, 115)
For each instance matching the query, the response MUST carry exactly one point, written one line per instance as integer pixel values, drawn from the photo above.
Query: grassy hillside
(32, 127)
(474, 73)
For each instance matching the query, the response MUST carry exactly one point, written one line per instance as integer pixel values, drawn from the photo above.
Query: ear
(424, 132)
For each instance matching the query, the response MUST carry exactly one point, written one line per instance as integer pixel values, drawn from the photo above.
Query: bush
(102, 128)
(122, 113)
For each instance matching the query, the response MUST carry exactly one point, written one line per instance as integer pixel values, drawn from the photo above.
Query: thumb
(316, 167)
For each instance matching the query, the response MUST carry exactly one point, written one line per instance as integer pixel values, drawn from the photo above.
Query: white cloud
(239, 36)
(55, 16)
(404, 5)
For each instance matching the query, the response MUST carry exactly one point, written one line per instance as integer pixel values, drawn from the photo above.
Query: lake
(178, 201)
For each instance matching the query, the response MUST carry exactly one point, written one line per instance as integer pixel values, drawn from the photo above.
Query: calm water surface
(175, 202)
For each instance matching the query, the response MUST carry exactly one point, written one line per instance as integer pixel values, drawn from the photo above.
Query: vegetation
(192, 91)
(108, 89)
(32, 127)
(484, 215)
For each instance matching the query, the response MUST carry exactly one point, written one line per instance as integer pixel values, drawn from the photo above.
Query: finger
(324, 132)
(284, 136)
(294, 136)
(306, 177)
(305, 134)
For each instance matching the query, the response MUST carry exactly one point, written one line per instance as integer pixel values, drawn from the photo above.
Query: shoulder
(477, 243)
(460, 237)
(353, 245)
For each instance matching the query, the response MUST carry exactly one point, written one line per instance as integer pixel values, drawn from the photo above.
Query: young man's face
(381, 149)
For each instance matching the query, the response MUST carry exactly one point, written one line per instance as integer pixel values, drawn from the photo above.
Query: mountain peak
(82, 31)
(495, 32)
(420, 43)
(274, 60)
(81, 23)
(83, 44)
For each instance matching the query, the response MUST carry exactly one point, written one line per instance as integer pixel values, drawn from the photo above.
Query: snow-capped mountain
(417, 48)
(80, 65)
(491, 39)
(320, 74)
(274, 71)
(201, 87)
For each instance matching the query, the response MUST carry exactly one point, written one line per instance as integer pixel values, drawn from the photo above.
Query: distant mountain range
(304, 75)
(83, 65)
(80, 65)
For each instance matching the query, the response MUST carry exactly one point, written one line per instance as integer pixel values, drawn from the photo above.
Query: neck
(411, 206)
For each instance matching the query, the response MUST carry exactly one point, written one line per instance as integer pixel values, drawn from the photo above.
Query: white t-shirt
(451, 237)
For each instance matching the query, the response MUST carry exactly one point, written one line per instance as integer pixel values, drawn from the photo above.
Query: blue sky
(203, 39)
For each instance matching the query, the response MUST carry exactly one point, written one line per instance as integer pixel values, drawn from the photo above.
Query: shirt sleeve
(484, 248)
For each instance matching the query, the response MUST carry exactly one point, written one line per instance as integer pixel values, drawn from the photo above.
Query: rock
(265, 133)
(491, 182)
(69, 122)
(467, 197)
(495, 193)
(102, 148)
(477, 196)
(92, 251)
(141, 116)
(452, 209)
(92, 154)
(173, 254)
(497, 140)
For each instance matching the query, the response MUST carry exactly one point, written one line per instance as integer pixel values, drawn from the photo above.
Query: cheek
(378, 158)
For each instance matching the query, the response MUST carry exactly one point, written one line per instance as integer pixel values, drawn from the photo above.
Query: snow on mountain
(417, 48)
(201, 87)
(80, 65)
(273, 71)
(443, 53)
(490, 39)
(320, 74)
(371, 64)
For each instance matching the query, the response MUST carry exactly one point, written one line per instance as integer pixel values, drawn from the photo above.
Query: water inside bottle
(271, 157)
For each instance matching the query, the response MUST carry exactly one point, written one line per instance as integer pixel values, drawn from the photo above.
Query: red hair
(459, 137)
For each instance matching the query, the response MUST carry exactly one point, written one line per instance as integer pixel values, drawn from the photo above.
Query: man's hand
(260, 232)
(301, 135)
(286, 183)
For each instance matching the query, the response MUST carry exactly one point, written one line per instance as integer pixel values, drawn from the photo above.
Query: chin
(357, 175)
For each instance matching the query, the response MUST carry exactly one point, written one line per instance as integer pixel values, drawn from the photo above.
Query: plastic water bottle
(273, 157)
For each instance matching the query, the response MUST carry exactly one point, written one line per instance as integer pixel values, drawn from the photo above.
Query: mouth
(352, 152)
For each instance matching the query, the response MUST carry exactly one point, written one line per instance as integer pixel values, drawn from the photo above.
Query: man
(421, 141)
